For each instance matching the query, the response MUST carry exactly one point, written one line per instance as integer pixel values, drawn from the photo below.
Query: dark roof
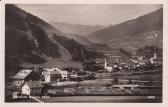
(52, 72)
(22, 74)
(34, 84)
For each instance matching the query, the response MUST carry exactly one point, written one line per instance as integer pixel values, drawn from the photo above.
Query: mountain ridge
(126, 33)
(30, 41)
(76, 28)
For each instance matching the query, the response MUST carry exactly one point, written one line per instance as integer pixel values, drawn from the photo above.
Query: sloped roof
(55, 71)
(62, 72)
(22, 74)
(34, 84)
(49, 69)
(51, 72)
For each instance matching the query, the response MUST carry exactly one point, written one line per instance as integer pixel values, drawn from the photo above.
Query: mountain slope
(134, 33)
(37, 33)
(79, 38)
(82, 30)
(30, 41)
(80, 53)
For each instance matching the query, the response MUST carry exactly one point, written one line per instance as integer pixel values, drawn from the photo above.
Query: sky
(89, 14)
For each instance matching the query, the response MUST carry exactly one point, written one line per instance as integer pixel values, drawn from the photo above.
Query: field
(144, 77)
(103, 99)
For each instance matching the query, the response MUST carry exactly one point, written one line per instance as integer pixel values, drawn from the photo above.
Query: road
(36, 99)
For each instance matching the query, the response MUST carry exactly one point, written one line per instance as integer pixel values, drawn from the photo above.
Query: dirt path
(34, 98)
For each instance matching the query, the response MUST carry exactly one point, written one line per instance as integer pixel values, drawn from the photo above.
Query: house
(64, 74)
(19, 95)
(25, 75)
(32, 88)
(55, 74)
(16, 95)
(51, 75)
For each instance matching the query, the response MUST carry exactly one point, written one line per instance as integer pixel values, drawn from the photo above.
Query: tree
(128, 54)
(130, 81)
(116, 80)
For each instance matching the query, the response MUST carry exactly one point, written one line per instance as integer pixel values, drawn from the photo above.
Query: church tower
(105, 63)
(155, 56)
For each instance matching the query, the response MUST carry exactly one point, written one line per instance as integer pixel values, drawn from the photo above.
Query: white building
(54, 74)
(64, 74)
(32, 88)
(106, 67)
(153, 58)
(51, 75)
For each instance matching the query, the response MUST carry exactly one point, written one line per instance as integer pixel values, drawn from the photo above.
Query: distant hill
(99, 47)
(80, 53)
(30, 41)
(133, 34)
(79, 29)
(78, 38)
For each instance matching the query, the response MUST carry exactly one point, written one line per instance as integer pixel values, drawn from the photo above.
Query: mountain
(30, 41)
(133, 34)
(27, 33)
(79, 29)
(80, 52)
(79, 38)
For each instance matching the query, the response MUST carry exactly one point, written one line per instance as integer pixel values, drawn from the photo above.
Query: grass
(97, 82)
(102, 99)
(144, 77)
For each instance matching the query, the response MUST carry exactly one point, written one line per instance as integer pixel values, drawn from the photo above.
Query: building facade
(25, 75)
(51, 75)
(32, 88)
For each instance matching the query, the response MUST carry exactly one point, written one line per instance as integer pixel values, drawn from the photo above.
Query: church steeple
(155, 55)
(105, 63)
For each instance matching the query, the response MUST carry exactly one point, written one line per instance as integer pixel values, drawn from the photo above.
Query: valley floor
(103, 99)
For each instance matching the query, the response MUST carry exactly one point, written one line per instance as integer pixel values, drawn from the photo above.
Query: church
(107, 67)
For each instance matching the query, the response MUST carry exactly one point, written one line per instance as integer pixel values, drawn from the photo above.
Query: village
(83, 53)
(136, 76)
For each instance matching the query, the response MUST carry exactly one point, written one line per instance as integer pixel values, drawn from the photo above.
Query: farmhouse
(64, 74)
(54, 74)
(32, 88)
(51, 75)
(25, 75)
